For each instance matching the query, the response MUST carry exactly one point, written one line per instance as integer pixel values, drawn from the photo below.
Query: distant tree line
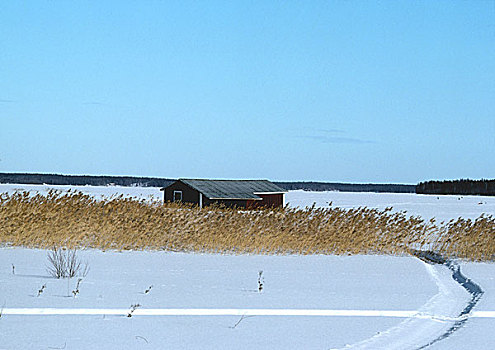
(81, 180)
(346, 187)
(460, 187)
(463, 186)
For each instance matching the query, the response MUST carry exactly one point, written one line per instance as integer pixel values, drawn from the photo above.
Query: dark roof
(233, 189)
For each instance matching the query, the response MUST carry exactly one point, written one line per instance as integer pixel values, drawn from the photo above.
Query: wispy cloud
(337, 139)
(331, 131)
(332, 136)
(94, 103)
(6, 101)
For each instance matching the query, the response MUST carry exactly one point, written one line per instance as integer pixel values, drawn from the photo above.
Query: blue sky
(348, 91)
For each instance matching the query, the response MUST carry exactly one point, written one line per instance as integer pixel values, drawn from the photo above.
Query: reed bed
(76, 220)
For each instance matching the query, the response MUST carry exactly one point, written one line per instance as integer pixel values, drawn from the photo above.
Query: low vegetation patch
(75, 220)
(64, 263)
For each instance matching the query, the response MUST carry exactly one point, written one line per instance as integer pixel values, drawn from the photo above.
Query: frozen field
(443, 208)
(363, 302)
(424, 297)
(96, 191)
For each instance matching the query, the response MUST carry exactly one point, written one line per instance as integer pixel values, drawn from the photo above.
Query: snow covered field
(421, 302)
(443, 208)
(96, 191)
(181, 281)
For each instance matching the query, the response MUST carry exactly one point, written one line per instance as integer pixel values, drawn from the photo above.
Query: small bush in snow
(75, 292)
(64, 263)
(41, 290)
(261, 281)
(133, 308)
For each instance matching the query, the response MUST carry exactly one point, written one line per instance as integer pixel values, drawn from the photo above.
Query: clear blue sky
(349, 91)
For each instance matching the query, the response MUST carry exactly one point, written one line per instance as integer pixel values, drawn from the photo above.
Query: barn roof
(233, 189)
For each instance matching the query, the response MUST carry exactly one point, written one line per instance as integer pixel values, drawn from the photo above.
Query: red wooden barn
(238, 193)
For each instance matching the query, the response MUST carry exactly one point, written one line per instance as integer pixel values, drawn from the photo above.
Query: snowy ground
(425, 298)
(443, 208)
(118, 280)
(96, 191)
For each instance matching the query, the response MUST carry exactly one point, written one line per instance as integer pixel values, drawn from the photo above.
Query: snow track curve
(442, 315)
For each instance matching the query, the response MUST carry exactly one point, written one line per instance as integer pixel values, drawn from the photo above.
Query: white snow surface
(186, 281)
(98, 192)
(443, 208)
(117, 280)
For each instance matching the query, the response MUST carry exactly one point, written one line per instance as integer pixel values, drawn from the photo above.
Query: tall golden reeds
(74, 219)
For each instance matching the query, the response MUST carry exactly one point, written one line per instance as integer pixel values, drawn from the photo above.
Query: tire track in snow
(441, 312)
(470, 286)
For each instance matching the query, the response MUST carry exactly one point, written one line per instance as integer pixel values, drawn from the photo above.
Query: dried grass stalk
(75, 220)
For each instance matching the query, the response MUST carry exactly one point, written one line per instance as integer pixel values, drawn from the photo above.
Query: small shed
(231, 193)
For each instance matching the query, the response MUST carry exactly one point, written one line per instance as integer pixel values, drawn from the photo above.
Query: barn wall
(271, 200)
(189, 195)
(230, 203)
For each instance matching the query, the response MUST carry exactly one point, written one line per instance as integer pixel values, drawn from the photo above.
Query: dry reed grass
(77, 220)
